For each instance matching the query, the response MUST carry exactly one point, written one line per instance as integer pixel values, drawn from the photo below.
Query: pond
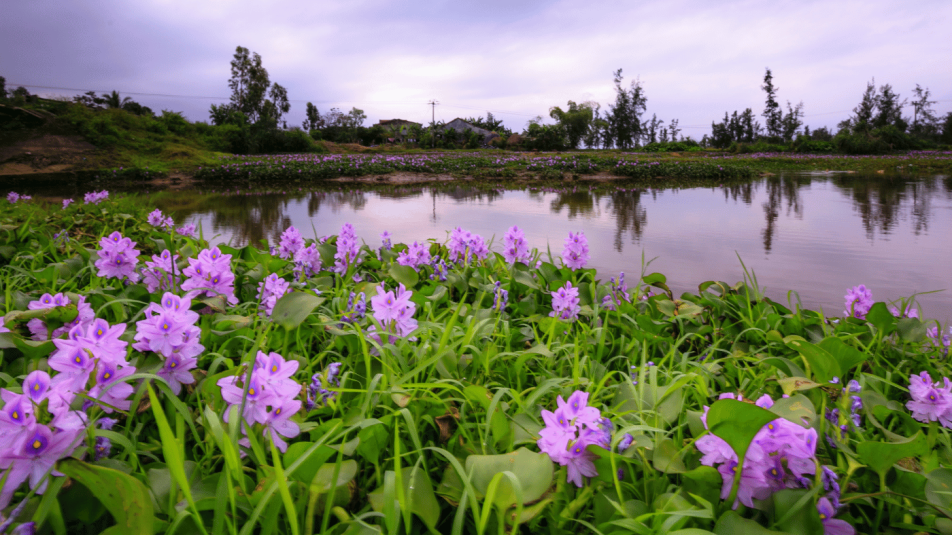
(816, 233)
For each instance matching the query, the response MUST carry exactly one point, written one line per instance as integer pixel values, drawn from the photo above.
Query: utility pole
(433, 103)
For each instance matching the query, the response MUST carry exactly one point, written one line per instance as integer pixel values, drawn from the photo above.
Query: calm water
(816, 234)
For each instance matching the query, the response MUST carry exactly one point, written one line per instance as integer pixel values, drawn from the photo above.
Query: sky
(695, 59)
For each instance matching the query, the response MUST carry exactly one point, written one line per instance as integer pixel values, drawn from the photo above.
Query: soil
(49, 153)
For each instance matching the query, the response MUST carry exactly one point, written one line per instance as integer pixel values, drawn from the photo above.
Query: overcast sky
(696, 59)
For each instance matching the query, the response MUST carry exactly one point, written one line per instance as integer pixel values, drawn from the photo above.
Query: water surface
(818, 234)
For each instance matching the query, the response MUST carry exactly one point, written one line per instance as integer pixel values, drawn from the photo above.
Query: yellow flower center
(37, 444)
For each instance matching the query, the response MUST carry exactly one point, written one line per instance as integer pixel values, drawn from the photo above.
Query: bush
(859, 143)
(806, 145)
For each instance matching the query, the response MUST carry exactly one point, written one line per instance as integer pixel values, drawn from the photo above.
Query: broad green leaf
(796, 384)
(796, 513)
(308, 469)
(737, 423)
(939, 488)
(126, 498)
(324, 478)
(881, 456)
(880, 316)
(405, 275)
(731, 523)
(703, 481)
(533, 471)
(373, 440)
(292, 309)
(846, 356)
(525, 279)
(822, 364)
(789, 368)
(911, 329)
(666, 459)
(419, 490)
(798, 409)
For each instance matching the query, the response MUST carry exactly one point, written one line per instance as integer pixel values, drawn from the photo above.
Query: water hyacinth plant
(215, 389)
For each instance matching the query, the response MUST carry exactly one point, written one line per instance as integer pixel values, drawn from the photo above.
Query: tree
(3, 87)
(249, 83)
(651, 133)
(275, 106)
(112, 100)
(924, 121)
(946, 136)
(575, 121)
(862, 118)
(673, 128)
(889, 109)
(772, 112)
(624, 116)
(313, 119)
(792, 121)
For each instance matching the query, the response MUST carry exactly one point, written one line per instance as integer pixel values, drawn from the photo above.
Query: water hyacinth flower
(117, 258)
(514, 246)
(575, 253)
(13, 197)
(832, 526)
(565, 303)
(307, 261)
(268, 398)
(500, 297)
(331, 376)
(157, 219)
(415, 256)
(356, 307)
(67, 202)
(909, 312)
(931, 401)
(440, 271)
(385, 240)
(39, 329)
(859, 299)
(781, 456)
(291, 243)
(394, 311)
(348, 250)
(569, 431)
(95, 197)
(270, 290)
(210, 275)
(161, 272)
(187, 230)
(464, 245)
(169, 329)
(933, 334)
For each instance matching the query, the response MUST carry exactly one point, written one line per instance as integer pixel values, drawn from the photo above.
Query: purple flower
(908, 312)
(270, 290)
(158, 219)
(464, 245)
(161, 273)
(832, 526)
(859, 300)
(500, 297)
(569, 430)
(94, 197)
(930, 401)
(210, 275)
(514, 245)
(67, 202)
(176, 372)
(356, 307)
(394, 311)
(33, 457)
(187, 230)
(575, 253)
(625, 442)
(348, 250)
(307, 260)
(565, 303)
(318, 382)
(38, 327)
(417, 255)
(13, 197)
(291, 243)
(385, 239)
(117, 258)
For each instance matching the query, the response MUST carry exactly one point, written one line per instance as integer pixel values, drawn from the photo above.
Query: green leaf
(126, 498)
(881, 456)
(796, 512)
(419, 490)
(737, 423)
(822, 363)
(525, 279)
(292, 309)
(703, 481)
(796, 384)
(846, 356)
(405, 275)
(939, 488)
(324, 479)
(373, 440)
(731, 523)
(666, 458)
(533, 471)
(798, 409)
(881, 318)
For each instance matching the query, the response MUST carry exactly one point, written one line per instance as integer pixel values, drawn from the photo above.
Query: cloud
(695, 59)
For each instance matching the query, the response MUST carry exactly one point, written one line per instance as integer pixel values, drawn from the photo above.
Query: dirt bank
(49, 153)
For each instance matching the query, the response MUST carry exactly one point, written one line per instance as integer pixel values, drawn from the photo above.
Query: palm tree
(112, 100)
